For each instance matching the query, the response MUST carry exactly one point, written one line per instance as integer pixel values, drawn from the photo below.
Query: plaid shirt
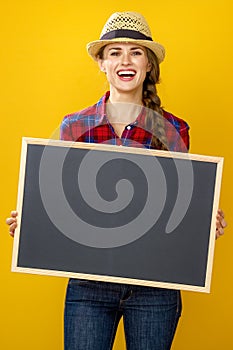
(91, 125)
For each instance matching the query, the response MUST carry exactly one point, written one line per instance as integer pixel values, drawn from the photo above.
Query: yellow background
(46, 73)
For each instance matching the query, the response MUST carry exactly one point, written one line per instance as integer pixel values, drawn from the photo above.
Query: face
(125, 65)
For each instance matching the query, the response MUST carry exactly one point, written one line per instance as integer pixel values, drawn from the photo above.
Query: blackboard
(118, 214)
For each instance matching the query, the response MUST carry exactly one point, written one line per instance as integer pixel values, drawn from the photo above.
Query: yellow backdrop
(46, 73)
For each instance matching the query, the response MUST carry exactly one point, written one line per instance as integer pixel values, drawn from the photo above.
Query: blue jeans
(93, 310)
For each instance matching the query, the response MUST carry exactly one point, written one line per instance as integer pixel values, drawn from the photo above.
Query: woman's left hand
(220, 223)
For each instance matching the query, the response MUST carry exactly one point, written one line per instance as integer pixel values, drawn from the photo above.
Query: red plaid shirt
(92, 125)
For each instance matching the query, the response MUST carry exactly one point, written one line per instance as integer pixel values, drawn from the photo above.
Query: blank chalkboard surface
(117, 214)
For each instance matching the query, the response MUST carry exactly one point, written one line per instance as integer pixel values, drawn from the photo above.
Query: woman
(130, 114)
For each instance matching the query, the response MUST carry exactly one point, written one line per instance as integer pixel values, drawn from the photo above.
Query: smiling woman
(130, 114)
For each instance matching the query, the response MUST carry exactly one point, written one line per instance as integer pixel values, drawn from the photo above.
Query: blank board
(117, 214)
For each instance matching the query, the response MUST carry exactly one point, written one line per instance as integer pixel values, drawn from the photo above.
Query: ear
(149, 67)
(101, 65)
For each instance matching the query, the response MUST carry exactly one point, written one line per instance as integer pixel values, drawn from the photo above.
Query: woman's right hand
(12, 222)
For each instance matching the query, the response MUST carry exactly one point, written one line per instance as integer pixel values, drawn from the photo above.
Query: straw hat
(126, 27)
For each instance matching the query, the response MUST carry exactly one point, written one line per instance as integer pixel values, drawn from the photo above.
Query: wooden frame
(193, 236)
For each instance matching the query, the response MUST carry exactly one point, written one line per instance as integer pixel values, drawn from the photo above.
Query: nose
(126, 58)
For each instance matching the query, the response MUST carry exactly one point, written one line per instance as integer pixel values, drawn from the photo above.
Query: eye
(114, 53)
(137, 53)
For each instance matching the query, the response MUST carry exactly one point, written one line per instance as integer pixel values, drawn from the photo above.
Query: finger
(221, 213)
(223, 223)
(219, 230)
(12, 233)
(10, 221)
(220, 216)
(219, 233)
(12, 229)
(14, 213)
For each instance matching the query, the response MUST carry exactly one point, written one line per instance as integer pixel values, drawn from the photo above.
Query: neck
(123, 107)
(123, 112)
(126, 96)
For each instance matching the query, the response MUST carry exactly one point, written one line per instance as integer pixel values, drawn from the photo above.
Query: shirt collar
(101, 108)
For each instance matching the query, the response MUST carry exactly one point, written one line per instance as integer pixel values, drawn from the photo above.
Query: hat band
(125, 33)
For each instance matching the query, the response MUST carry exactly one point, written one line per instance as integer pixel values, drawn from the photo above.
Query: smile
(126, 73)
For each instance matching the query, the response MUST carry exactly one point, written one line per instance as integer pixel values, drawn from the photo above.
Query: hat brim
(94, 47)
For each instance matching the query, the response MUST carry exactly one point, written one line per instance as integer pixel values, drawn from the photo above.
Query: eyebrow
(132, 48)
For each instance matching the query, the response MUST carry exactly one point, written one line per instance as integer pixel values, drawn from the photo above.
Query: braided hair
(154, 121)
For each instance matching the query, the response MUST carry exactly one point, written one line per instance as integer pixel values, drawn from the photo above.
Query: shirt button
(128, 127)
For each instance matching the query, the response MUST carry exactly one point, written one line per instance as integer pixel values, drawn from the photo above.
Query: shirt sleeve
(183, 139)
(177, 132)
(65, 130)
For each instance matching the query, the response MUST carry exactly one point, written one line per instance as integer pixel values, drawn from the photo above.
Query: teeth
(126, 72)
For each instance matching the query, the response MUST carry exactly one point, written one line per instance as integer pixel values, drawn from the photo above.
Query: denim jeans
(93, 310)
